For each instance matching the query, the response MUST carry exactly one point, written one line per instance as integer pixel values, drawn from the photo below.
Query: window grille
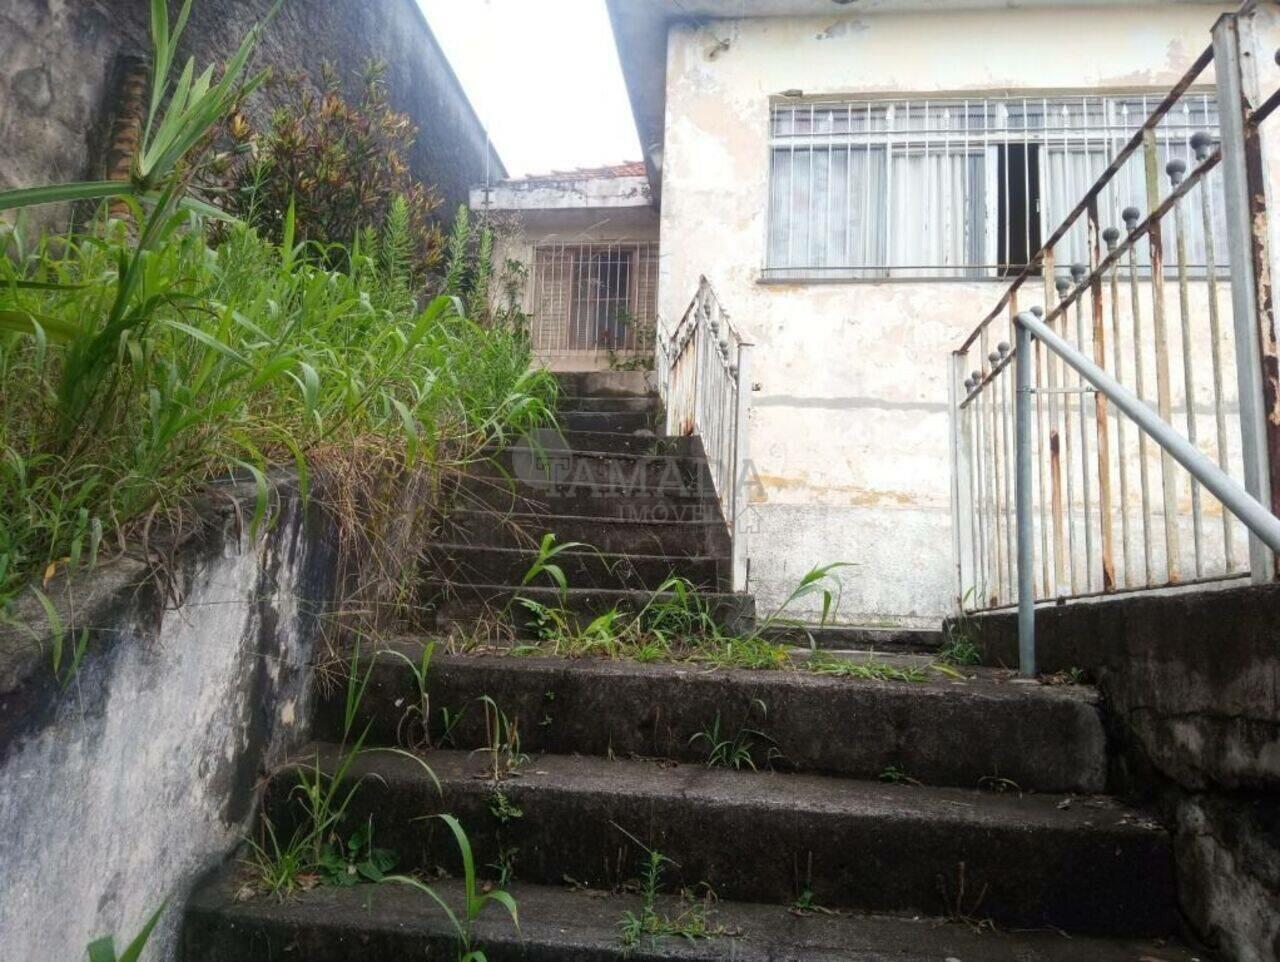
(956, 188)
(592, 300)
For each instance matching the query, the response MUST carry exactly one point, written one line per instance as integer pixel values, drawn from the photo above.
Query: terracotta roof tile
(630, 169)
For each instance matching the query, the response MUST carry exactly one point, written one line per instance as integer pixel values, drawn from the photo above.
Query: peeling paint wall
(118, 791)
(849, 429)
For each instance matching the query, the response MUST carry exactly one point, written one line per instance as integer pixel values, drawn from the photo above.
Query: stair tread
(988, 683)
(561, 924)
(585, 552)
(798, 794)
(539, 518)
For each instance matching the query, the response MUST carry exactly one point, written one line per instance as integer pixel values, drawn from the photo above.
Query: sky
(543, 75)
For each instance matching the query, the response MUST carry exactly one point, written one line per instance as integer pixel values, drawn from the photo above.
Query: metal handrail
(1257, 518)
(704, 379)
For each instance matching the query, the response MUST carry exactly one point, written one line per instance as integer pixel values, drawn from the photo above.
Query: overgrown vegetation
(336, 163)
(144, 359)
(692, 923)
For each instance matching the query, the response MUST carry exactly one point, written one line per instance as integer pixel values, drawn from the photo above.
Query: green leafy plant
(502, 741)
(475, 901)
(413, 730)
(895, 775)
(343, 167)
(739, 750)
(691, 924)
(545, 564)
(104, 949)
(320, 850)
(868, 668)
(346, 862)
(503, 809)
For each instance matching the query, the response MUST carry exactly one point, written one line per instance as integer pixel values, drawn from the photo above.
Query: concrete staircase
(964, 817)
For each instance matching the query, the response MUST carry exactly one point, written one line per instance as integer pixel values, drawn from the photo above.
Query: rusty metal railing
(703, 369)
(1104, 502)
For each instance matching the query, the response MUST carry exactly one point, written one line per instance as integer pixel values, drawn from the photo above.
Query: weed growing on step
(894, 775)
(413, 731)
(503, 809)
(738, 751)
(959, 645)
(806, 904)
(678, 624)
(502, 741)
(1068, 676)
(104, 949)
(544, 564)
(318, 851)
(464, 923)
(693, 923)
(961, 906)
(868, 669)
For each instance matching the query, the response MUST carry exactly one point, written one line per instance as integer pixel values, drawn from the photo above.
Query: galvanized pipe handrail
(1254, 515)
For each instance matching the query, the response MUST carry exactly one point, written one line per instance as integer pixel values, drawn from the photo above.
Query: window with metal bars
(957, 188)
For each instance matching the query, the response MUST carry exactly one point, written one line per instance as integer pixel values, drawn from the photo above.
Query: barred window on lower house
(960, 188)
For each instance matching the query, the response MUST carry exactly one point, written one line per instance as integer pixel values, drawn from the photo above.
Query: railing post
(962, 508)
(1249, 301)
(740, 466)
(1026, 526)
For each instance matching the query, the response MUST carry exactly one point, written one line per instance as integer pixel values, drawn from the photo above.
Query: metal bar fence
(703, 371)
(1084, 476)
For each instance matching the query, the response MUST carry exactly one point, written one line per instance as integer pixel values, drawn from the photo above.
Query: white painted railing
(703, 369)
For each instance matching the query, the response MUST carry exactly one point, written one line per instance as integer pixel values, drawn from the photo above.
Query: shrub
(342, 166)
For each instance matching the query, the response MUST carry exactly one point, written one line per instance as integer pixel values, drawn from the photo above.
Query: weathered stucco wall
(849, 431)
(57, 58)
(1191, 681)
(118, 791)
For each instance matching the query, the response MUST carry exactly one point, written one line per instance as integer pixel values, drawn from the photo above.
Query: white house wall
(849, 429)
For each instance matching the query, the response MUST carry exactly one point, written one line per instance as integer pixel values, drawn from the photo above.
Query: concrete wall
(1191, 681)
(849, 432)
(118, 791)
(57, 58)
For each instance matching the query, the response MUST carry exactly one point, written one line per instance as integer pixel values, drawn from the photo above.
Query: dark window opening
(1018, 186)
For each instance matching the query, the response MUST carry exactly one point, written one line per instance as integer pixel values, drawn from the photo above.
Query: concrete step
(611, 422)
(467, 605)
(673, 502)
(609, 404)
(939, 732)
(462, 563)
(925, 641)
(562, 924)
(1075, 864)
(607, 383)
(556, 470)
(611, 535)
(552, 440)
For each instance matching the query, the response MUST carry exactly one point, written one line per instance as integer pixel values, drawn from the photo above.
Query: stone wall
(58, 58)
(1191, 682)
(119, 789)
